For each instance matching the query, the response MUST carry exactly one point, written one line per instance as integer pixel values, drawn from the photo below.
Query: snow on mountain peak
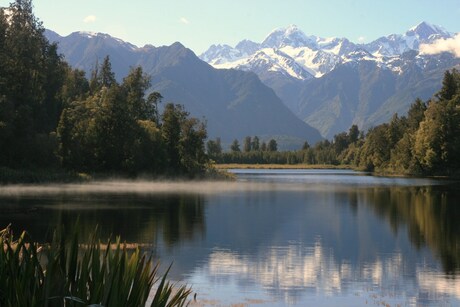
(288, 49)
(88, 34)
(424, 30)
(220, 54)
(289, 36)
(247, 47)
(107, 38)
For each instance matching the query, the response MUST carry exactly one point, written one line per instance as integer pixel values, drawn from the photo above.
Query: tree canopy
(52, 116)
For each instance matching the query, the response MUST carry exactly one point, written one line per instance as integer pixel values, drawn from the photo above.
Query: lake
(273, 237)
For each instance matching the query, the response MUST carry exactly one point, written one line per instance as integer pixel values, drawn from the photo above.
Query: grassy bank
(282, 166)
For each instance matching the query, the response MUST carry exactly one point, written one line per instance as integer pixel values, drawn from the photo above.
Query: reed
(63, 273)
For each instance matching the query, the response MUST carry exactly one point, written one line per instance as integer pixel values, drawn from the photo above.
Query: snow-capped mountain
(271, 61)
(318, 55)
(396, 44)
(312, 54)
(332, 83)
(290, 36)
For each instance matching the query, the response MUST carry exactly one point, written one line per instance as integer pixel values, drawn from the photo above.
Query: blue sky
(199, 23)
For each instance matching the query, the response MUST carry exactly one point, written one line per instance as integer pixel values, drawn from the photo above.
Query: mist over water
(265, 180)
(273, 237)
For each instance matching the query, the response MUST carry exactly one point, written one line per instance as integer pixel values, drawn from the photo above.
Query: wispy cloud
(90, 19)
(184, 20)
(451, 45)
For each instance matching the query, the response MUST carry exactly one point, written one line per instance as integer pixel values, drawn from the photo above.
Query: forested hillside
(425, 142)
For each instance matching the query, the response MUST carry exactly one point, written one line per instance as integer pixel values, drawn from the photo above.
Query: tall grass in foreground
(67, 273)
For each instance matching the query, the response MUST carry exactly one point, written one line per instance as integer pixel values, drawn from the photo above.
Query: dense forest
(53, 117)
(424, 142)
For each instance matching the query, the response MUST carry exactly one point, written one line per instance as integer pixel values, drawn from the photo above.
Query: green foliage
(272, 145)
(450, 85)
(184, 141)
(51, 116)
(427, 142)
(70, 273)
(437, 141)
(32, 75)
(235, 147)
(214, 147)
(247, 145)
(115, 129)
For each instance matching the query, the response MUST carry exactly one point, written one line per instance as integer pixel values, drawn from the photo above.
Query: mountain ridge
(297, 45)
(234, 103)
(309, 62)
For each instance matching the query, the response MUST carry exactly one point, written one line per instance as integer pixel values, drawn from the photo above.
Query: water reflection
(431, 215)
(140, 218)
(327, 238)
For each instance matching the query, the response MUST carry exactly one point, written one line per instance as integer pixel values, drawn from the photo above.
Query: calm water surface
(274, 237)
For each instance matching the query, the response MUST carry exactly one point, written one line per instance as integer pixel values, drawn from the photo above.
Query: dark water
(275, 238)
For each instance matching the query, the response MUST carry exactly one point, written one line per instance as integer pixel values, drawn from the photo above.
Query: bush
(68, 273)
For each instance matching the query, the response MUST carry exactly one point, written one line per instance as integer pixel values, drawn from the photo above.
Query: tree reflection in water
(431, 214)
(137, 219)
(298, 243)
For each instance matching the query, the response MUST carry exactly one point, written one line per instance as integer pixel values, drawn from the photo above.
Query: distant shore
(281, 166)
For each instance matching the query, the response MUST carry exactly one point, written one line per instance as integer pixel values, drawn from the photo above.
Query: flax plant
(68, 273)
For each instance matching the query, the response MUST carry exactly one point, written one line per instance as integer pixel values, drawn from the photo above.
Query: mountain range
(233, 103)
(332, 83)
(291, 87)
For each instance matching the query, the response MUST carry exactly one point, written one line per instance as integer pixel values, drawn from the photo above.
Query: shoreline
(280, 166)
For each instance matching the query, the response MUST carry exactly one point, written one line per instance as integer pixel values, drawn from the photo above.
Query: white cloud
(89, 19)
(361, 39)
(184, 20)
(451, 45)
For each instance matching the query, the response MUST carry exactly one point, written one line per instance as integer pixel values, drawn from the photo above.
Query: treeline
(425, 142)
(52, 116)
(256, 152)
(253, 151)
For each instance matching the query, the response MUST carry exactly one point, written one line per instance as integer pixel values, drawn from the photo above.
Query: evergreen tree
(416, 114)
(106, 76)
(353, 134)
(247, 146)
(450, 85)
(263, 147)
(173, 116)
(235, 147)
(305, 145)
(255, 145)
(135, 85)
(31, 79)
(153, 100)
(272, 145)
(192, 152)
(102, 76)
(214, 147)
